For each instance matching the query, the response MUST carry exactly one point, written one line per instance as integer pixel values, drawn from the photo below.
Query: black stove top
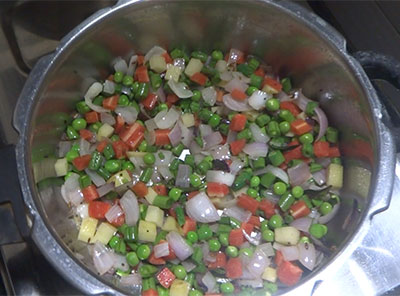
(30, 31)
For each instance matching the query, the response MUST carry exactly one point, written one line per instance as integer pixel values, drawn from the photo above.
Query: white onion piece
(154, 51)
(231, 137)
(189, 266)
(179, 245)
(220, 177)
(63, 148)
(128, 113)
(290, 253)
(114, 213)
(209, 95)
(131, 280)
(307, 254)
(107, 118)
(302, 224)
(255, 150)
(180, 89)
(94, 90)
(165, 173)
(182, 176)
(254, 283)
(166, 119)
(319, 177)
(95, 177)
(258, 135)
(187, 134)
(130, 206)
(209, 281)
(120, 65)
(235, 105)
(212, 140)
(258, 99)
(161, 250)
(83, 147)
(132, 65)
(323, 122)
(328, 217)
(236, 83)
(267, 249)
(236, 166)
(175, 135)
(120, 262)
(165, 161)
(299, 174)
(258, 262)
(108, 87)
(278, 172)
(150, 124)
(220, 152)
(201, 209)
(103, 258)
(238, 213)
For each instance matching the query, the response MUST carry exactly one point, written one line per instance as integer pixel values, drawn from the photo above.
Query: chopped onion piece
(179, 245)
(128, 113)
(255, 150)
(235, 105)
(238, 213)
(94, 90)
(130, 206)
(180, 89)
(209, 95)
(201, 209)
(258, 135)
(220, 177)
(258, 99)
(161, 250)
(103, 258)
(154, 51)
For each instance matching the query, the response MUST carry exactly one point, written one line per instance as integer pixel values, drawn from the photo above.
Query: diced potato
(155, 214)
(120, 178)
(61, 167)
(194, 66)
(104, 233)
(179, 288)
(188, 119)
(173, 72)
(158, 64)
(170, 224)
(87, 230)
(105, 131)
(269, 274)
(335, 175)
(147, 231)
(269, 89)
(287, 235)
(221, 66)
(151, 195)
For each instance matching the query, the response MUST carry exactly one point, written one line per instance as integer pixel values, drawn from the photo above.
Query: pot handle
(12, 208)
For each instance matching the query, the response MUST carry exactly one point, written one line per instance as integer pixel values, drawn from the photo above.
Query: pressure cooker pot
(292, 41)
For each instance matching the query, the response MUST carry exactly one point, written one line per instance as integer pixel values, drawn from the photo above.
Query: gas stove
(31, 29)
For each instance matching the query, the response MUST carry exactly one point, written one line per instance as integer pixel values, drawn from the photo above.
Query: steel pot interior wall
(286, 43)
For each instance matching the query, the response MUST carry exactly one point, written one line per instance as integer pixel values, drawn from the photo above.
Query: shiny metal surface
(293, 41)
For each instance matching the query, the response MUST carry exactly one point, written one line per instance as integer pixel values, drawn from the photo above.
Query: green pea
(123, 100)
(268, 235)
(272, 104)
(227, 288)
(214, 120)
(71, 155)
(275, 221)
(127, 80)
(255, 181)
(264, 225)
(79, 123)
(224, 239)
(232, 251)
(318, 230)
(132, 259)
(252, 192)
(307, 138)
(192, 237)
(127, 165)
(143, 252)
(196, 95)
(246, 251)
(297, 191)
(217, 55)
(214, 245)
(284, 126)
(325, 208)
(204, 232)
(149, 158)
(195, 180)
(280, 188)
(113, 165)
(180, 272)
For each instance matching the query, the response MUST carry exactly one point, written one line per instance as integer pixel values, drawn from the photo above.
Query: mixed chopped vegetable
(200, 174)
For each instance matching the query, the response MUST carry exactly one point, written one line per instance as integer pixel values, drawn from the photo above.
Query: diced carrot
(334, 151)
(217, 189)
(293, 154)
(167, 58)
(267, 207)
(239, 95)
(255, 220)
(111, 103)
(140, 189)
(162, 137)
(90, 193)
(321, 149)
(292, 107)
(238, 122)
(190, 225)
(172, 99)
(300, 126)
(248, 203)
(199, 78)
(101, 146)
(119, 124)
(220, 261)
(234, 268)
(82, 162)
(98, 209)
(141, 74)
(272, 83)
(259, 72)
(120, 149)
(299, 209)
(237, 146)
(289, 273)
(92, 117)
(86, 134)
(150, 101)
(236, 237)
(160, 189)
